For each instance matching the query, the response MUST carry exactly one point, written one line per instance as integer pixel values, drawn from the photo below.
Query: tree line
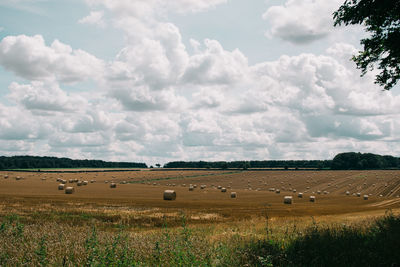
(270, 164)
(363, 161)
(342, 161)
(34, 162)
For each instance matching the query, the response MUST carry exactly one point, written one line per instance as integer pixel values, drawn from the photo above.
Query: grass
(90, 241)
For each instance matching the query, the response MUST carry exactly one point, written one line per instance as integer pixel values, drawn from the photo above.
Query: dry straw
(169, 195)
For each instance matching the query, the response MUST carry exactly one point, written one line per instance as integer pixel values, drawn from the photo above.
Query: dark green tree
(381, 19)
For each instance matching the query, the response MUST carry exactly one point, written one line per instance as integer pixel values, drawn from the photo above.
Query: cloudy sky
(157, 81)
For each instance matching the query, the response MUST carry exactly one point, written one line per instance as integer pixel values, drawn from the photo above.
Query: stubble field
(215, 219)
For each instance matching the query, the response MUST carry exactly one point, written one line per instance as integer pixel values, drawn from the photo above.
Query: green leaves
(381, 50)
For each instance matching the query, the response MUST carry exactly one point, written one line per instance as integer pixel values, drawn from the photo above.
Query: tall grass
(375, 243)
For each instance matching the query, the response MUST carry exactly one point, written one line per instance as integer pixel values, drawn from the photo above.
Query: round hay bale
(288, 200)
(365, 197)
(191, 188)
(69, 190)
(223, 189)
(5, 176)
(277, 191)
(319, 192)
(84, 182)
(219, 187)
(75, 180)
(233, 194)
(113, 185)
(18, 178)
(106, 182)
(358, 194)
(43, 179)
(294, 190)
(61, 187)
(195, 185)
(169, 195)
(79, 183)
(92, 181)
(63, 181)
(203, 186)
(300, 195)
(347, 193)
(312, 198)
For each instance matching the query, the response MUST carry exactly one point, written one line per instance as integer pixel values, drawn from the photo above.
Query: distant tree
(381, 19)
(158, 165)
(246, 165)
(224, 165)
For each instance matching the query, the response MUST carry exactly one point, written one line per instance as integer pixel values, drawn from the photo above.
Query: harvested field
(144, 190)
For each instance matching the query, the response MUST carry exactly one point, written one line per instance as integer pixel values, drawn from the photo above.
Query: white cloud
(301, 21)
(46, 97)
(30, 58)
(94, 18)
(157, 102)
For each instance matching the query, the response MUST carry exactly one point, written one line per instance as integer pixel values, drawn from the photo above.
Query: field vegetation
(131, 225)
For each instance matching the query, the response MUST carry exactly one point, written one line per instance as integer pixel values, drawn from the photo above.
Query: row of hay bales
(71, 189)
(171, 194)
(289, 199)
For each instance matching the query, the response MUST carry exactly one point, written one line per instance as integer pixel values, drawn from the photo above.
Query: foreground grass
(374, 242)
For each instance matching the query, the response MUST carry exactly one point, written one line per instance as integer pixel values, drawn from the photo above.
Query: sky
(157, 81)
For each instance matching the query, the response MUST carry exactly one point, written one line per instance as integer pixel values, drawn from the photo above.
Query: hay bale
(219, 187)
(300, 195)
(277, 191)
(294, 190)
(69, 190)
(92, 181)
(347, 193)
(365, 197)
(84, 182)
(61, 187)
(5, 176)
(312, 198)
(43, 179)
(18, 178)
(288, 200)
(79, 183)
(113, 185)
(233, 195)
(63, 181)
(191, 188)
(203, 186)
(223, 189)
(169, 195)
(70, 181)
(358, 194)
